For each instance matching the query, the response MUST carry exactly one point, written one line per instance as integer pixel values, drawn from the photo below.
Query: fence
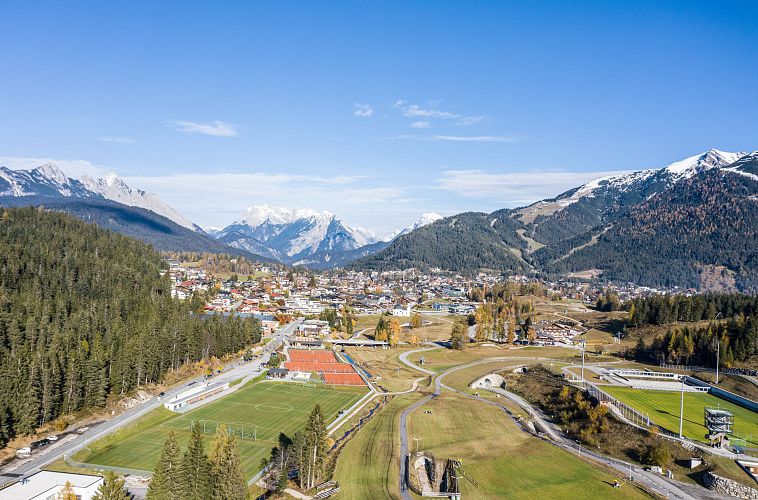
(260, 474)
(119, 470)
(629, 413)
(728, 371)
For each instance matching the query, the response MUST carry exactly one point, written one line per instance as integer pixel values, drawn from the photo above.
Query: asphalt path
(652, 480)
(235, 370)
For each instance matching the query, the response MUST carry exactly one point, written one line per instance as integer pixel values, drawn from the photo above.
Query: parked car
(52, 438)
(160, 396)
(24, 452)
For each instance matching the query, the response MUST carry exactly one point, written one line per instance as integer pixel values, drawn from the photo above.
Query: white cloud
(456, 138)
(469, 120)
(516, 188)
(414, 110)
(363, 110)
(72, 168)
(215, 129)
(421, 124)
(117, 140)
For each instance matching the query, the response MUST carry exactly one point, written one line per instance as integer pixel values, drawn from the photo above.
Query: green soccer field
(256, 414)
(663, 408)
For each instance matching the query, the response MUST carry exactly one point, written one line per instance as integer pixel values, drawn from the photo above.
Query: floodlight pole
(718, 351)
(681, 410)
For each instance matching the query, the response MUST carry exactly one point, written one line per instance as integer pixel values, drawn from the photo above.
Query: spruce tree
(311, 449)
(112, 488)
(226, 468)
(166, 481)
(196, 480)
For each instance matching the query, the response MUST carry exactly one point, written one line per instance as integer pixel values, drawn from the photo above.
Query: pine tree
(226, 468)
(196, 481)
(166, 481)
(112, 488)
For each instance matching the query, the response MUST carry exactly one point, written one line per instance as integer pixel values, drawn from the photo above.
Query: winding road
(653, 481)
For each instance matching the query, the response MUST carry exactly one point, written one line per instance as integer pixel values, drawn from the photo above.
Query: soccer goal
(241, 431)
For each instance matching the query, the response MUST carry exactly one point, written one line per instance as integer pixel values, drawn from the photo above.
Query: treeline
(85, 314)
(736, 339)
(663, 309)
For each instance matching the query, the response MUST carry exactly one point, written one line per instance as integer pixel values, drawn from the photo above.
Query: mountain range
(692, 223)
(110, 203)
(305, 237)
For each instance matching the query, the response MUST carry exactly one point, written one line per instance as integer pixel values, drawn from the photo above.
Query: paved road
(654, 481)
(232, 371)
(404, 359)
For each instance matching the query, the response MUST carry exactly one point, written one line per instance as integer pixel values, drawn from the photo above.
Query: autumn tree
(112, 488)
(67, 492)
(416, 321)
(226, 468)
(458, 335)
(393, 336)
(382, 329)
(511, 331)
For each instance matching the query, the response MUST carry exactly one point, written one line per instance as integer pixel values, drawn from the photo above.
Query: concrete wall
(729, 396)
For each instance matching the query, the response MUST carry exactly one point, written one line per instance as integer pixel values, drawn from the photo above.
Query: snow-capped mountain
(691, 223)
(657, 179)
(45, 180)
(294, 236)
(114, 188)
(49, 181)
(425, 219)
(606, 198)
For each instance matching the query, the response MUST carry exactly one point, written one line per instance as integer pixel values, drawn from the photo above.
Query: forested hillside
(85, 314)
(145, 225)
(705, 225)
(464, 242)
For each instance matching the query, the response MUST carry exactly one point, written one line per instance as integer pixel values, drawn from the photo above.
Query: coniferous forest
(85, 314)
(737, 337)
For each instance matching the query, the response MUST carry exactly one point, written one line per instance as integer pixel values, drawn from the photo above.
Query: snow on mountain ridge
(712, 158)
(672, 173)
(50, 180)
(113, 188)
(425, 219)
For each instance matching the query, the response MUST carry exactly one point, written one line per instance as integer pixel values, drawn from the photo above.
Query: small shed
(277, 373)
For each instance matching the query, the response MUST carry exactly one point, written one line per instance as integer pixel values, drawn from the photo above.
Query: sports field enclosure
(663, 408)
(256, 414)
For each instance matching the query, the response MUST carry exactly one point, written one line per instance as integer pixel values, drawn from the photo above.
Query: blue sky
(377, 111)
